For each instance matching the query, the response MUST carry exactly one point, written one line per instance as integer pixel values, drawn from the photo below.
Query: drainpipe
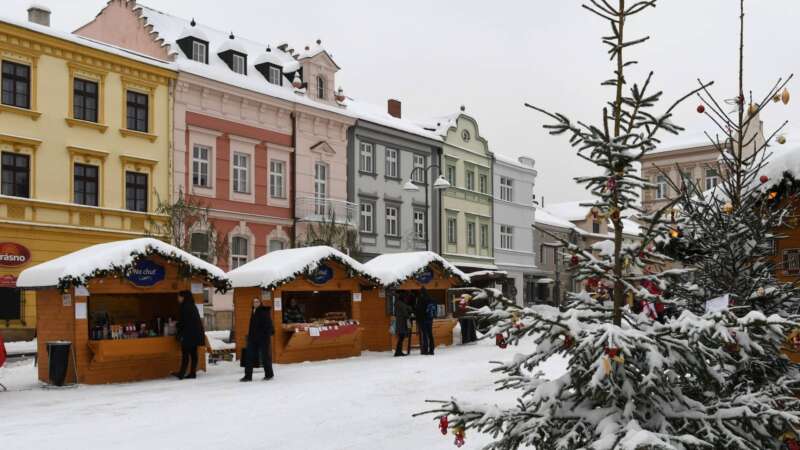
(293, 194)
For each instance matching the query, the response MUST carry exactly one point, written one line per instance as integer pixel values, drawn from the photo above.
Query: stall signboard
(13, 254)
(322, 275)
(145, 273)
(425, 277)
(8, 281)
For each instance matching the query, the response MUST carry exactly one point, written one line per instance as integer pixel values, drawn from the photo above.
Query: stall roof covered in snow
(395, 268)
(100, 260)
(280, 267)
(784, 160)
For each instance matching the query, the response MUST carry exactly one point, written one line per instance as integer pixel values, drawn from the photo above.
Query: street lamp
(440, 184)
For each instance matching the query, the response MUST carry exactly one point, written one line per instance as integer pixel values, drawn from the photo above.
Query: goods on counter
(131, 330)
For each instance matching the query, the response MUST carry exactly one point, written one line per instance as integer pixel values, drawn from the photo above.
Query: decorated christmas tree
(645, 369)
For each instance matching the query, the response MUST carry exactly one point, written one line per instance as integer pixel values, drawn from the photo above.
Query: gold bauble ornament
(781, 140)
(752, 109)
(760, 292)
(727, 208)
(776, 98)
(785, 96)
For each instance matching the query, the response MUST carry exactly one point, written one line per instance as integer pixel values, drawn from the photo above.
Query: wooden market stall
(117, 304)
(315, 297)
(407, 273)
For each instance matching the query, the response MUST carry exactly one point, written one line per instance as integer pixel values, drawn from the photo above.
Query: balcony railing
(319, 209)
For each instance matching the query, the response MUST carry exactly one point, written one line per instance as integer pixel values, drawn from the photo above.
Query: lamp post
(440, 184)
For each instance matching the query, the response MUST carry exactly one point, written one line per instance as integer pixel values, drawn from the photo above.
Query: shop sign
(322, 275)
(425, 277)
(8, 281)
(145, 273)
(13, 254)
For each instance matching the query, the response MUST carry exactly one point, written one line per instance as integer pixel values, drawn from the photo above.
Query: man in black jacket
(190, 334)
(424, 314)
(259, 339)
(402, 312)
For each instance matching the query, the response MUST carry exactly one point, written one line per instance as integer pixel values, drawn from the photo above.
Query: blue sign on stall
(425, 277)
(322, 275)
(145, 273)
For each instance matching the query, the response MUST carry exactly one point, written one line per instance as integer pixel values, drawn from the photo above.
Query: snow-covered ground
(361, 403)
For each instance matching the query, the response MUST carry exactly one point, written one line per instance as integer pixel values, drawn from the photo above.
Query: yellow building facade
(85, 151)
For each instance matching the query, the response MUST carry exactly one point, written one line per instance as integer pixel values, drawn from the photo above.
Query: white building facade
(514, 246)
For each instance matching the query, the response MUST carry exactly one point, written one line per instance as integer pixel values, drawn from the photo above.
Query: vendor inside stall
(118, 305)
(315, 297)
(414, 276)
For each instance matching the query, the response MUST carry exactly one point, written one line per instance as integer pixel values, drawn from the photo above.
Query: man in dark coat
(425, 313)
(402, 312)
(259, 339)
(190, 334)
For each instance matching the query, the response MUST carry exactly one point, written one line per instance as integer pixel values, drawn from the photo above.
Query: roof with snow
(543, 217)
(629, 227)
(86, 42)
(101, 260)
(784, 160)
(509, 160)
(569, 210)
(371, 113)
(283, 266)
(395, 268)
(440, 124)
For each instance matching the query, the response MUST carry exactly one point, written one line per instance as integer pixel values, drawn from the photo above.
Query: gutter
(293, 193)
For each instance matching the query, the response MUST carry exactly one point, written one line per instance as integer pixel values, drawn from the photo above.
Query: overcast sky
(493, 56)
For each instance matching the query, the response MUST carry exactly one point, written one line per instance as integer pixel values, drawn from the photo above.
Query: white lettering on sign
(8, 257)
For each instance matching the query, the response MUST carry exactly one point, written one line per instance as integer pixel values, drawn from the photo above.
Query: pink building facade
(259, 132)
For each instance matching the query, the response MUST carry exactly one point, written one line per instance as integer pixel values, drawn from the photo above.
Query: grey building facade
(380, 161)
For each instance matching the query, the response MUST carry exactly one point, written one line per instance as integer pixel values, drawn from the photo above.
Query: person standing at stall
(190, 334)
(402, 312)
(259, 338)
(425, 312)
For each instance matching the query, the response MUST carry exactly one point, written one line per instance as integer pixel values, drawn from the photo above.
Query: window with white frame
(419, 224)
(276, 244)
(239, 251)
(239, 64)
(418, 171)
(452, 230)
(661, 187)
(392, 219)
(321, 88)
(392, 169)
(241, 173)
(277, 179)
(470, 180)
(199, 52)
(712, 178)
(199, 245)
(506, 189)
(320, 187)
(366, 160)
(483, 183)
(471, 234)
(506, 237)
(484, 236)
(367, 211)
(201, 165)
(451, 175)
(274, 75)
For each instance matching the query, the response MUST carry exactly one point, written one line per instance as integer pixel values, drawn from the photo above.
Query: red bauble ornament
(443, 424)
(574, 260)
(701, 109)
(763, 178)
(500, 341)
(459, 441)
(791, 444)
(612, 352)
(569, 341)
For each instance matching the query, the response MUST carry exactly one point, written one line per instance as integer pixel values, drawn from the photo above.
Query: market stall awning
(395, 268)
(119, 257)
(280, 267)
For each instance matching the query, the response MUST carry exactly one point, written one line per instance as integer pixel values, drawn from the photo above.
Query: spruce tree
(634, 381)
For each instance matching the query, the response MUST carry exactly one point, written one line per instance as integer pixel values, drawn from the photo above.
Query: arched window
(321, 88)
(240, 251)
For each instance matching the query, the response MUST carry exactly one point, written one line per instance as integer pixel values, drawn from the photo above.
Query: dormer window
(274, 75)
(321, 88)
(239, 64)
(200, 52)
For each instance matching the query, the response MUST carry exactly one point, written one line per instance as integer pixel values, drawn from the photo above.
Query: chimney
(39, 14)
(394, 108)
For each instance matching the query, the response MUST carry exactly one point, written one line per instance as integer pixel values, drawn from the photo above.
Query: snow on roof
(268, 57)
(543, 217)
(395, 268)
(99, 260)
(380, 116)
(514, 161)
(629, 227)
(280, 267)
(192, 31)
(569, 210)
(605, 248)
(86, 42)
(232, 44)
(683, 141)
(783, 160)
(441, 124)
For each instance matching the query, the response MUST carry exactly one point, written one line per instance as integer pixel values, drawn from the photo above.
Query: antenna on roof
(192, 23)
(268, 49)
(231, 36)
(319, 41)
